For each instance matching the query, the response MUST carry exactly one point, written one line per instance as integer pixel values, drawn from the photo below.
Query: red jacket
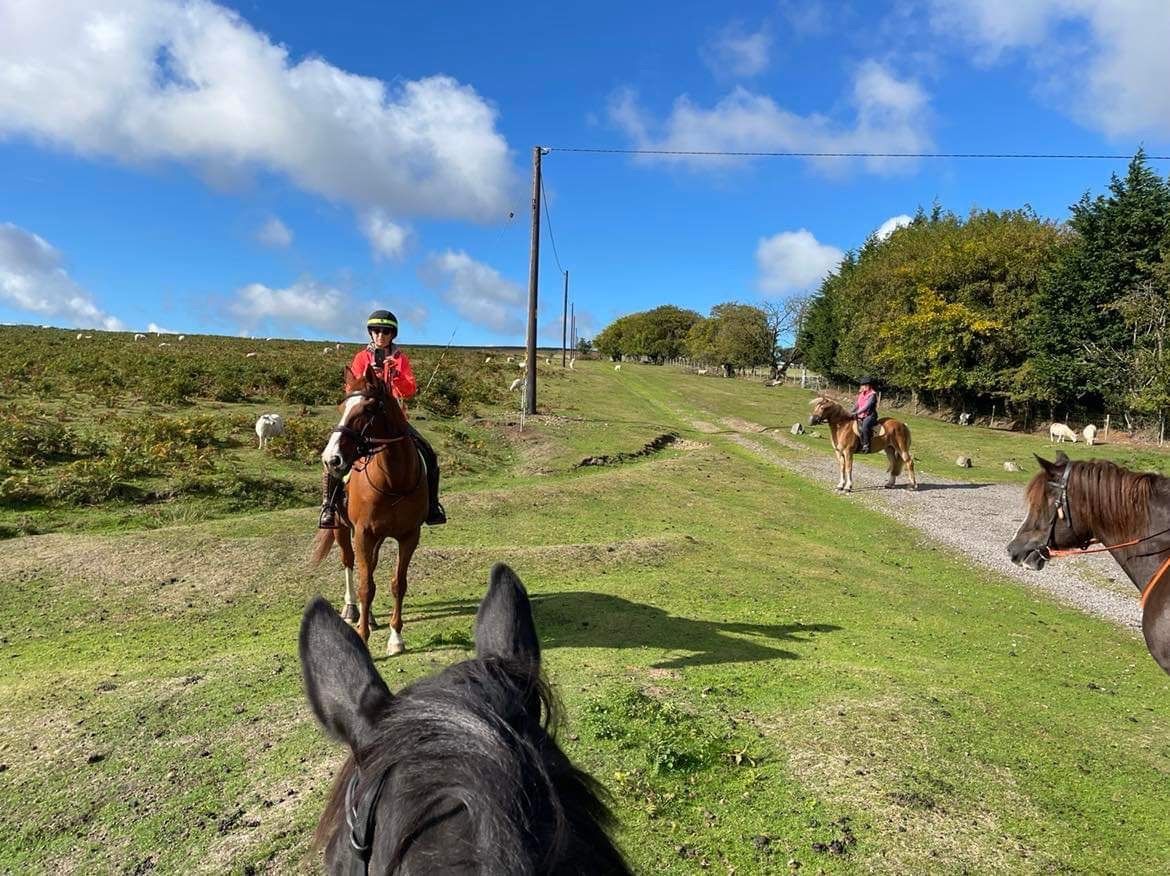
(396, 371)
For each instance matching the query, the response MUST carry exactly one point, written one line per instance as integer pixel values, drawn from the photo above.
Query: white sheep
(326, 351)
(487, 360)
(1058, 433)
(617, 367)
(701, 371)
(268, 425)
(139, 336)
(516, 384)
(249, 355)
(182, 337)
(572, 362)
(511, 359)
(1090, 433)
(80, 336)
(337, 348)
(163, 344)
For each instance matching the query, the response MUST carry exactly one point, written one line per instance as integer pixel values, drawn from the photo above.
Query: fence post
(993, 415)
(1106, 428)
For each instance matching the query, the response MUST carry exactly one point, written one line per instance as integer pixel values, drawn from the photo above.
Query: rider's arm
(402, 380)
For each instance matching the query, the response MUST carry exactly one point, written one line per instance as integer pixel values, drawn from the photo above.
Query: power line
(705, 153)
(548, 223)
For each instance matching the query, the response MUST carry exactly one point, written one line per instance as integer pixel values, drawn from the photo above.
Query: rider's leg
(329, 487)
(435, 513)
(866, 430)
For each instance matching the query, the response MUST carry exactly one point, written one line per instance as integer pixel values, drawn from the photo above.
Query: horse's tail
(321, 546)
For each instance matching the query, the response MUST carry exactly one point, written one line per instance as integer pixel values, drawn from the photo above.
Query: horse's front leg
(349, 614)
(406, 548)
(848, 470)
(840, 469)
(366, 549)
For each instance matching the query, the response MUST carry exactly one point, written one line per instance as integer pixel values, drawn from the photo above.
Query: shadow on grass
(579, 619)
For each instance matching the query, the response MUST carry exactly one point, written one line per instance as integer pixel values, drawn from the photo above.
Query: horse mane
(831, 405)
(476, 740)
(1113, 501)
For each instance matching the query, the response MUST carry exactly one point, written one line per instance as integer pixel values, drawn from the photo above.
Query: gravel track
(977, 520)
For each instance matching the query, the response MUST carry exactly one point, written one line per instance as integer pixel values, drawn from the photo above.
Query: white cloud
(477, 291)
(890, 115)
(192, 82)
(794, 261)
(388, 239)
(159, 330)
(736, 51)
(33, 278)
(891, 225)
(1104, 62)
(275, 233)
(306, 303)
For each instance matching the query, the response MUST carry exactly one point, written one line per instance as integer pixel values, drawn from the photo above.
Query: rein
(360, 817)
(1064, 511)
(368, 448)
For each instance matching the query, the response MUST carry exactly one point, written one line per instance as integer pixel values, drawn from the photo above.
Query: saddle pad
(878, 430)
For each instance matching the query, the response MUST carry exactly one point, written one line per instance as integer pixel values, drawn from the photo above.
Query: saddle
(878, 430)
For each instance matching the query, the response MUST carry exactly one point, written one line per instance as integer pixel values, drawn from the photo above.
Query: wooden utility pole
(565, 324)
(533, 283)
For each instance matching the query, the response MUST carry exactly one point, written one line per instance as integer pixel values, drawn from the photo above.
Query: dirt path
(976, 519)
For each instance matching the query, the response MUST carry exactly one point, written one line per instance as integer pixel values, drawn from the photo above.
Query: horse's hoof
(349, 614)
(395, 646)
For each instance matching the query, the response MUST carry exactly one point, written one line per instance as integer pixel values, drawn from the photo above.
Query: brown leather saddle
(878, 430)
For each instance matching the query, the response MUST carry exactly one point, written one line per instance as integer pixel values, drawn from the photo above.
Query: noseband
(367, 447)
(360, 818)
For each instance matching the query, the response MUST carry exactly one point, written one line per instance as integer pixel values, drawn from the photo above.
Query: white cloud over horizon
(275, 234)
(794, 261)
(477, 291)
(388, 239)
(736, 51)
(143, 81)
(305, 303)
(33, 279)
(1104, 63)
(889, 115)
(892, 224)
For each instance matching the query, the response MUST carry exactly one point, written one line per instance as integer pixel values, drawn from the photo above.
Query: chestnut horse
(386, 497)
(890, 435)
(1071, 504)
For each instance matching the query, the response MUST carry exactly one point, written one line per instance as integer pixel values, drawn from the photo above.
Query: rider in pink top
(865, 411)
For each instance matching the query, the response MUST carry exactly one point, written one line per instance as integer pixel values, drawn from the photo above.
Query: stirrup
(328, 519)
(437, 516)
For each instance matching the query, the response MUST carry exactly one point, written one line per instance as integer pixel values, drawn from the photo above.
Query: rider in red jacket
(393, 366)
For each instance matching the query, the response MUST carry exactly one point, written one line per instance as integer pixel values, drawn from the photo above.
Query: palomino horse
(890, 435)
(1071, 504)
(386, 497)
(457, 773)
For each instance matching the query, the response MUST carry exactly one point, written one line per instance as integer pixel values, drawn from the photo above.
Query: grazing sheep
(523, 363)
(1010, 466)
(1090, 433)
(516, 384)
(249, 355)
(182, 337)
(326, 351)
(268, 425)
(511, 359)
(487, 360)
(1058, 433)
(963, 462)
(163, 344)
(80, 336)
(337, 348)
(617, 367)
(702, 371)
(139, 337)
(965, 419)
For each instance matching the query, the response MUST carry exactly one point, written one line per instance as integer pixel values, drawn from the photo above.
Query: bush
(29, 440)
(304, 438)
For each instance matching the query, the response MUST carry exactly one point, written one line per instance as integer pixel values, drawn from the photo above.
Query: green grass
(758, 670)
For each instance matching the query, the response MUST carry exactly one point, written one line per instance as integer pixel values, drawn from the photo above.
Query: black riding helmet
(382, 319)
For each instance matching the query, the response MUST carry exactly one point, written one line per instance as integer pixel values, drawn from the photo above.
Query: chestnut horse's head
(365, 409)
(1050, 522)
(822, 407)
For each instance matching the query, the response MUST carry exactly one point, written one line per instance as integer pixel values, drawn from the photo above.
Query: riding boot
(329, 487)
(436, 516)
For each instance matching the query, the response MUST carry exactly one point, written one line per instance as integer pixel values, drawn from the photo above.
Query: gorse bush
(304, 438)
(28, 440)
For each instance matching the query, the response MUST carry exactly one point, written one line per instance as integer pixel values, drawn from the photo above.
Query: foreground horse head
(1071, 504)
(456, 773)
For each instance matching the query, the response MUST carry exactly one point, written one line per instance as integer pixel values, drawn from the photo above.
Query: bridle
(1063, 511)
(367, 446)
(360, 818)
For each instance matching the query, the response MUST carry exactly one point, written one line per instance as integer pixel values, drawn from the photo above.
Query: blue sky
(273, 169)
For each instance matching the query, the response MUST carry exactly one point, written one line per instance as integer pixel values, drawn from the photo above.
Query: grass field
(761, 672)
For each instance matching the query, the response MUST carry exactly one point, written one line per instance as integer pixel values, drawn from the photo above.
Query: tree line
(1037, 315)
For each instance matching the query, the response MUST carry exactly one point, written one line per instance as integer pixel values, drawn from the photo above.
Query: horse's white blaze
(350, 590)
(333, 448)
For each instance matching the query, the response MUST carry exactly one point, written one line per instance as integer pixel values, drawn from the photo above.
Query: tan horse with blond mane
(386, 497)
(890, 435)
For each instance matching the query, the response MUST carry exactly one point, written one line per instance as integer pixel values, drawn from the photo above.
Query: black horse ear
(344, 689)
(503, 625)
(1061, 458)
(1049, 467)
